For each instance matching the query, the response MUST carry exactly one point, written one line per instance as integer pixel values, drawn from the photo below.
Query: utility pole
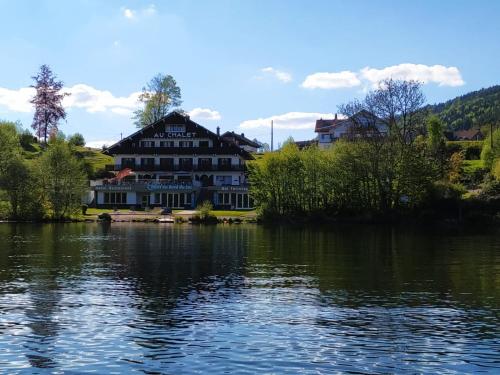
(272, 140)
(491, 134)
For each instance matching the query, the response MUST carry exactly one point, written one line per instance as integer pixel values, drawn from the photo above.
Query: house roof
(240, 138)
(131, 144)
(323, 125)
(304, 144)
(467, 134)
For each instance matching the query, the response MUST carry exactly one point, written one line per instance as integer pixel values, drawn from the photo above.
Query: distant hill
(477, 108)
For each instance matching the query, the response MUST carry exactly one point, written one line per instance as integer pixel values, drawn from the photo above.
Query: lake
(153, 298)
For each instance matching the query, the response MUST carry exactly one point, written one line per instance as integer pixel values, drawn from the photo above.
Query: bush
(105, 216)
(447, 191)
(84, 209)
(26, 139)
(203, 214)
(495, 170)
(488, 154)
(76, 140)
(470, 149)
(203, 210)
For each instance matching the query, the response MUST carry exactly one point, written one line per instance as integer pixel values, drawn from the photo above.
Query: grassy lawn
(219, 213)
(471, 166)
(234, 213)
(94, 157)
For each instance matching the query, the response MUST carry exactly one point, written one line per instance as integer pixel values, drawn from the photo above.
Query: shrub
(105, 216)
(203, 214)
(470, 149)
(495, 170)
(26, 139)
(203, 210)
(84, 209)
(76, 140)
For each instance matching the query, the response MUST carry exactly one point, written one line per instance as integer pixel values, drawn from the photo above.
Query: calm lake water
(149, 298)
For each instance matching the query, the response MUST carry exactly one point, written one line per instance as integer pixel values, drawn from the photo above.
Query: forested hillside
(477, 108)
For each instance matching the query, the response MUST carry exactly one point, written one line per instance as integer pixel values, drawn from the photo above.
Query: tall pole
(272, 140)
(491, 135)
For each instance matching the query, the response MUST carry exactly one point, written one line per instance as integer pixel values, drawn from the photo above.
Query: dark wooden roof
(240, 139)
(471, 134)
(131, 144)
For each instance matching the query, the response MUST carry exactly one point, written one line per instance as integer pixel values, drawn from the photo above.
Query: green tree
(435, 132)
(490, 154)
(62, 179)
(76, 140)
(159, 96)
(9, 144)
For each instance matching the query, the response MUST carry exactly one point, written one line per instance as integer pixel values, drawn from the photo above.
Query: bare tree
(48, 103)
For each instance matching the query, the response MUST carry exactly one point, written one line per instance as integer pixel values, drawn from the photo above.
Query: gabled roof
(241, 139)
(131, 144)
(468, 134)
(323, 125)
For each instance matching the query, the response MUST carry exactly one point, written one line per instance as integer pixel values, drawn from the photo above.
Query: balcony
(177, 168)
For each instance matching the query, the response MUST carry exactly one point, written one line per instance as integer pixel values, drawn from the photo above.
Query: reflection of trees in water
(41, 257)
(400, 265)
(171, 266)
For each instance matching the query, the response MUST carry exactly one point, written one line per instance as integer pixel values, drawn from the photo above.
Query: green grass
(234, 213)
(94, 157)
(472, 166)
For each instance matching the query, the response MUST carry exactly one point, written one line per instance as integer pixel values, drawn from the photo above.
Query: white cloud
(440, 74)
(17, 100)
(278, 74)
(82, 96)
(290, 120)
(133, 14)
(331, 80)
(99, 144)
(94, 100)
(204, 114)
(128, 13)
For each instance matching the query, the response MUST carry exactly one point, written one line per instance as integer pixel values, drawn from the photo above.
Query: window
(115, 198)
(167, 144)
(147, 162)
(128, 163)
(186, 164)
(147, 144)
(167, 163)
(223, 180)
(203, 143)
(205, 164)
(175, 128)
(184, 179)
(224, 164)
(186, 144)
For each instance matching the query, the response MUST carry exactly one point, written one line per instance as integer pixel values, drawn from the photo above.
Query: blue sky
(241, 63)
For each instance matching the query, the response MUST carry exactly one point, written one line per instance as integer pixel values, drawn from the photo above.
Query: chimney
(218, 131)
(243, 134)
(335, 116)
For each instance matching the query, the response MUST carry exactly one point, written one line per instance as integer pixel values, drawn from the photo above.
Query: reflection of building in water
(177, 163)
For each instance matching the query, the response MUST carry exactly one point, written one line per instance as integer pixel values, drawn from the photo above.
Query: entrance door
(145, 200)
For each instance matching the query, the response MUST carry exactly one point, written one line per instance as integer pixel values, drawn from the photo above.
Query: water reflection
(176, 299)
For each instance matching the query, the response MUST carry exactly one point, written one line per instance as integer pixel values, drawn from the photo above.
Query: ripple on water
(114, 303)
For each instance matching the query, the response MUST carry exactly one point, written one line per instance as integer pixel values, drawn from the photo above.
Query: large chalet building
(176, 163)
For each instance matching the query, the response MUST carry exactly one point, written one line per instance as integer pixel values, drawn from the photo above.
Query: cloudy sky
(240, 63)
